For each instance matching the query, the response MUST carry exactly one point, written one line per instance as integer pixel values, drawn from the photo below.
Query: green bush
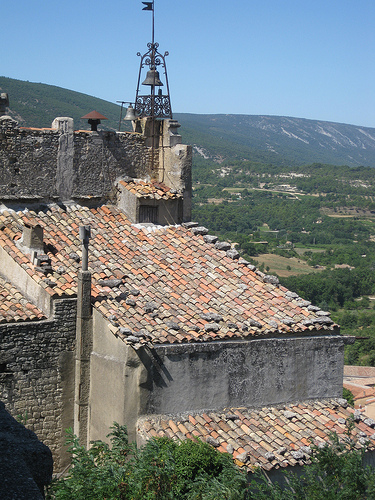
(172, 470)
(163, 469)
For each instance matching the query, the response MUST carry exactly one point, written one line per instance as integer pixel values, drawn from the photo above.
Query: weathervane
(155, 105)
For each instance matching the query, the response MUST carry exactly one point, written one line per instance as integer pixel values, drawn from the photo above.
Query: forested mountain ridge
(268, 139)
(279, 139)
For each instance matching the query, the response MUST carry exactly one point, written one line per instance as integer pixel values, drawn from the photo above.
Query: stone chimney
(32, 238)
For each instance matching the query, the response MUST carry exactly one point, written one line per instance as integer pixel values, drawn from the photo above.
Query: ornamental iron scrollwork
(154, 105)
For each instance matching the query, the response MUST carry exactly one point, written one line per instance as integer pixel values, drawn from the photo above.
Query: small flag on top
(149, 5)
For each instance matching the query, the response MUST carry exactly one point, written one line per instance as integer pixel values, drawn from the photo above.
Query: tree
(192, 470)
(163, 469)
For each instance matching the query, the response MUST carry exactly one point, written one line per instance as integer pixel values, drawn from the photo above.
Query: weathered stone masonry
(58, 163)
(27, 162)
(37, 374)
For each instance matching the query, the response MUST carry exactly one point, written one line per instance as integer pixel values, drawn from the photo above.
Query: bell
(130, 114)
(152, 78)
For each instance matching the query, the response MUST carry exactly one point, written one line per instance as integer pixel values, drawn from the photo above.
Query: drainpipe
(83, 344)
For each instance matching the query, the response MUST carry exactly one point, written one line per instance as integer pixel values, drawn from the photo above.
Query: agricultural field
(283, 266)
(313, 227)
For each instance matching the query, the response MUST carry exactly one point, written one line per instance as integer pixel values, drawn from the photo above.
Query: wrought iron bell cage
(156, 105)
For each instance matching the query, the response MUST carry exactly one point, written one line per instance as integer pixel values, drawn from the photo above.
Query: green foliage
(335, 287)
(22, 418)
(95, 473)
(168, 470)
(163, 469)
(359, 322)
(348, 395)
(38, 104)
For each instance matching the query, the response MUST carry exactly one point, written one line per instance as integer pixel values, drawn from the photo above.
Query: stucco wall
(258, 372)
(169, 211)
(37, 375)
(117, 382)
(173, 379)
(24, 282)
(175, 162)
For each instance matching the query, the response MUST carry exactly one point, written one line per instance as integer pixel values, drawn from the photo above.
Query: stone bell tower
(169, 160)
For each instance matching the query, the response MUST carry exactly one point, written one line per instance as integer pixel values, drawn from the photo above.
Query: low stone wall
(100, 158)
(37, 375)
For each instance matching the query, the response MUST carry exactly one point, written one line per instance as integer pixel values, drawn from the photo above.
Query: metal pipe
(84, 236)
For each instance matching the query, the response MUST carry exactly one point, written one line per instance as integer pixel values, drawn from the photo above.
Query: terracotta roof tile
(264, 436)
(143, 189)
(14, 307)
(176, 277)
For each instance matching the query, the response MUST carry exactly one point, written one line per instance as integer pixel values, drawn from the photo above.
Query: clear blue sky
(302, 58)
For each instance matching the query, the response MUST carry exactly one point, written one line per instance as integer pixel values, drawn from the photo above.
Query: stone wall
(25, 463)
(100, 158)
(37, 375)
(27, 162)
(58, 163)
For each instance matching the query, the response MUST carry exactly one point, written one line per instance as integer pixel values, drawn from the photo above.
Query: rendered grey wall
(117, 382)
(126, 384)
(258, 372)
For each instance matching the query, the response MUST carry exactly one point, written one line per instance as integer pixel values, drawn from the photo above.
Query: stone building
(167, 330)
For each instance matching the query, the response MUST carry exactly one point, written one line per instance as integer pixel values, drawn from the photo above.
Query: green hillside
(37, 104)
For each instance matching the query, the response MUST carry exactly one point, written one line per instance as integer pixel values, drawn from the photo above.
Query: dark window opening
(148, 214)
(3, 367)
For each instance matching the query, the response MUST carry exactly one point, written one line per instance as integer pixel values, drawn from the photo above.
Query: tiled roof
(155, 190)
(359, 391)
(14, 306)
(365, 381)
(270, 437)
(359, 371)
(156, 284)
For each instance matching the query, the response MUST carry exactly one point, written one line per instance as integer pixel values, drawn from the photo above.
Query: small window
(148, 214)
